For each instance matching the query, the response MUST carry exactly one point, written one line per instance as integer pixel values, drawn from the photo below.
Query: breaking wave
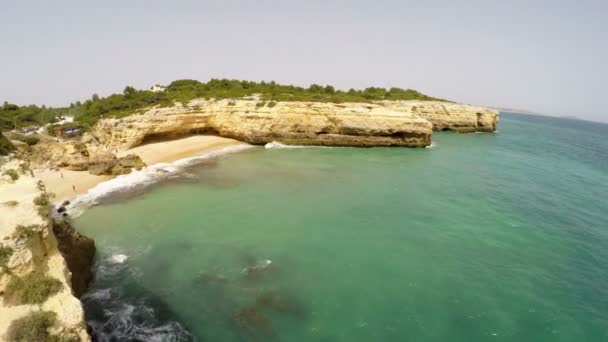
(113, 315)
(139, 180)
(277, 145)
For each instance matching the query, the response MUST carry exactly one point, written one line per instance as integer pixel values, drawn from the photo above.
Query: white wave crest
(277, 145)
(143, 178)
(118, 258)
(432, 145)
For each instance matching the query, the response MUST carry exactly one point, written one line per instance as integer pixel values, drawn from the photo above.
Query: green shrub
(43, 203)
(25, 232)
(272, 104)
(31, 140)
(12, 173)
(40, 185)
(5, 255)
(34, 288)
(260, 104)
(33, 327)
(6, 146)
(42, 199)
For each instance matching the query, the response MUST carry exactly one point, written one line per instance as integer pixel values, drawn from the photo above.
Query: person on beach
(61, 173)
(74, 188)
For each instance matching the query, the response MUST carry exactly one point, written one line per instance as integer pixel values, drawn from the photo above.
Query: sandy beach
(66, 184)
(169, 151)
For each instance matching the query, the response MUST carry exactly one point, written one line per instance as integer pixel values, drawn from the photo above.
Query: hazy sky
(547, 56)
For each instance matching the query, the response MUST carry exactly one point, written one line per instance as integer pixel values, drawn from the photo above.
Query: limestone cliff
(36, 297)
(395, 123)
(257, 122)
(449, 116)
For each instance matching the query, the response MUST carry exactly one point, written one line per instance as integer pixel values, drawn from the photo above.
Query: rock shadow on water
(281, 301)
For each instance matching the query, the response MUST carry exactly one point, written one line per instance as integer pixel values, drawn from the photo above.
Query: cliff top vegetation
(130, 100)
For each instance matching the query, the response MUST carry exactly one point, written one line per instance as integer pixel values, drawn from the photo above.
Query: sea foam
(277, 145)
(143, 178)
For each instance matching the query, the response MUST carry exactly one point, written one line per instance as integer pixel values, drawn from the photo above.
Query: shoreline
(68, 184)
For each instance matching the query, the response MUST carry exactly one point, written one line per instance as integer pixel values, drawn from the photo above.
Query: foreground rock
(390, 123)
(83, 155)
(117, 166)
(37, 302)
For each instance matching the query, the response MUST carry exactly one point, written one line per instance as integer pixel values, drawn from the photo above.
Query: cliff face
(397, 123)
(448, 116)
(36, 296)
(303, 123)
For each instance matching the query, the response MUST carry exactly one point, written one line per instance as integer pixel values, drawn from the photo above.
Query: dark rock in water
(61, 209)
(254, 322)
(78, 252)
(281, 302)
(65, 203)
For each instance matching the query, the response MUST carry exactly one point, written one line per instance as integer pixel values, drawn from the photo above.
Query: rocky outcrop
(117, 166)
(449, 116)
(257, 122)
(389, 123)
(35, 280)
(81, 156)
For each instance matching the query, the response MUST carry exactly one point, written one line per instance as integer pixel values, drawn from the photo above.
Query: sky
(545, 56)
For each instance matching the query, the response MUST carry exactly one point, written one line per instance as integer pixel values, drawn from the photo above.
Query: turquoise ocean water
(483, 237)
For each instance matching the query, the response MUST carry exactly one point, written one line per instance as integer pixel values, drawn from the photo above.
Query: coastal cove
(346, 244)
(119, 146)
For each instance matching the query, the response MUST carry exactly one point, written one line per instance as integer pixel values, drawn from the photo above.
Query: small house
(68, 132)
(157, 88)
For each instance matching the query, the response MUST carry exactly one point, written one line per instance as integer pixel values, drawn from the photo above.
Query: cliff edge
(38, 299)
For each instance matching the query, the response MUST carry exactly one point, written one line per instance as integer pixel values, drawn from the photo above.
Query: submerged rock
(253, 321)
(281, 302)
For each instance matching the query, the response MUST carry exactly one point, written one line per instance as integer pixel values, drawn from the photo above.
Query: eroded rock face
(78, 252)
(449, 116)
(83, 155)
(389, 123)
(297, 123)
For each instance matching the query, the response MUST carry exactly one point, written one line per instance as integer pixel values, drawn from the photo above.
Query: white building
(157, 88)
